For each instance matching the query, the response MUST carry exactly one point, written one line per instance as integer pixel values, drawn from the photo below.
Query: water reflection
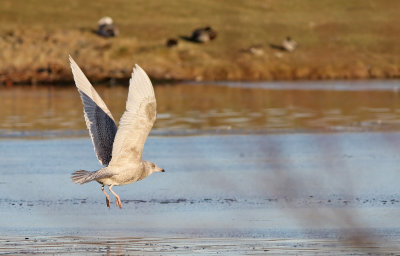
(194, 108)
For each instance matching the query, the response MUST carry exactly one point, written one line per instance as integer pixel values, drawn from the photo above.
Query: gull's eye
(153, 165)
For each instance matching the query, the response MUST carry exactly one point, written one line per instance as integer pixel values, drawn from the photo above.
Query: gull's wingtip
(137, 67)
(141, 79)
(138, 70)
(72, 63)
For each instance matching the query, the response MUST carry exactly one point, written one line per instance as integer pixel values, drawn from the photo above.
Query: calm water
(334, 193)
(231, 108)
(275, 168)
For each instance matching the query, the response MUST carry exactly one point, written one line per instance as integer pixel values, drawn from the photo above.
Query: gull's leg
(117, 199)
(107, 197)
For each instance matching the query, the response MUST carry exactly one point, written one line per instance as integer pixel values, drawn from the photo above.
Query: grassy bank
(338, 39)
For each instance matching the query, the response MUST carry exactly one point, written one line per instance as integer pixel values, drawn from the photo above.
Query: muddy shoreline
(101, 245)
(41, 57)
(62, 76)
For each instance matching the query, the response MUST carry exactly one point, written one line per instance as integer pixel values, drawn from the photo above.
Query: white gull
(119, 151)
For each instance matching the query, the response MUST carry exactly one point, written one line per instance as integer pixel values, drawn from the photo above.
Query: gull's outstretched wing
(99, 121)
(137, 120)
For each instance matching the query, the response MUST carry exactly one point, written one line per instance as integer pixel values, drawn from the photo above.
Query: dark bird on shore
(119, 151)
(172, 42)
(106, 27)
(203, 35)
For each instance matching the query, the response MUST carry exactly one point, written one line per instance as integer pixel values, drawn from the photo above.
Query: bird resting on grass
(119, 151)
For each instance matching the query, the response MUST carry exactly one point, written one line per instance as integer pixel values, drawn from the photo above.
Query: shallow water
(227, 188)
(232, 191)
(222, 108)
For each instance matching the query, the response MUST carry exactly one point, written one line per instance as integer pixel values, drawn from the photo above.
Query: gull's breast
(125, 176)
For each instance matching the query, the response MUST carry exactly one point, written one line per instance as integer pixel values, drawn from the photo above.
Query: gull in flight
(119, 151)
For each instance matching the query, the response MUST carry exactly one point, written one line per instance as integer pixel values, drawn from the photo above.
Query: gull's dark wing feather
(99, 120)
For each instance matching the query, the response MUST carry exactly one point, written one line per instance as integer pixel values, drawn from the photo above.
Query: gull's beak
(162, 170)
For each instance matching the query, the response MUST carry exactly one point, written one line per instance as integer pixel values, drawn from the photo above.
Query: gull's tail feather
(83, 176)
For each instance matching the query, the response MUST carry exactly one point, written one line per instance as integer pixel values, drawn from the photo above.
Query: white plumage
(120, 151)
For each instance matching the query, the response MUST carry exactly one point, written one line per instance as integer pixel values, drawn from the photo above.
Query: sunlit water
(222, 108)
(262, 168)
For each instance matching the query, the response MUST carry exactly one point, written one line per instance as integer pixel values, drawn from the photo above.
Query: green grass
(337, 38)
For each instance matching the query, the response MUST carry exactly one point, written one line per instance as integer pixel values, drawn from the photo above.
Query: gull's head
(152, 167)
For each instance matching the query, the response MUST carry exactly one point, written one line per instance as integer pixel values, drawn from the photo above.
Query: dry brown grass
(338, 39)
